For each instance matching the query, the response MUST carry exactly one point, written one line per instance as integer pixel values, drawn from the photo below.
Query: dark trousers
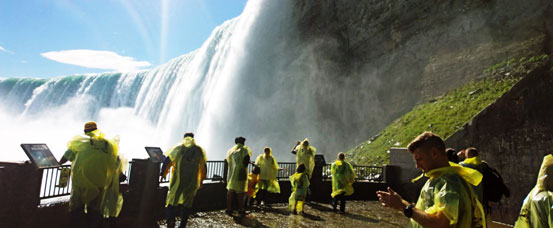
(78, 218)
(261, 196)
(172, 210)
(342, 199)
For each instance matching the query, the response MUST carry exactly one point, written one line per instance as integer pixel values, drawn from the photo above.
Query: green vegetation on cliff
(443, 115)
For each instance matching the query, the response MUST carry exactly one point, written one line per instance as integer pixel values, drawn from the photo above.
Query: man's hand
(391, 199)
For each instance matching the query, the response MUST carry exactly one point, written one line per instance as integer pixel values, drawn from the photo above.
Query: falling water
(194, 92)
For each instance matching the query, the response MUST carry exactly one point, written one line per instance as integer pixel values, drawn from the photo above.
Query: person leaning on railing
(93, 165)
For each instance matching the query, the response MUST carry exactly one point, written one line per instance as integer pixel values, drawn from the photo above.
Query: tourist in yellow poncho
(189, 162)
(300, 183)
(238, 158)
(473, 161)
(305, 154)
(93, 166)
(114, 199)
(537, 208)
(268, 182)
(343, 177)
(446, 200)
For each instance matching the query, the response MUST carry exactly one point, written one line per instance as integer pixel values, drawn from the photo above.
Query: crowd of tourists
(456, 193)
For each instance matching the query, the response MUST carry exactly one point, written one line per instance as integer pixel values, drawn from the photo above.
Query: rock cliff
(375, 60)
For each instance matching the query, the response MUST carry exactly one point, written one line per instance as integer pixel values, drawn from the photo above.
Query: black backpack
(494, 188)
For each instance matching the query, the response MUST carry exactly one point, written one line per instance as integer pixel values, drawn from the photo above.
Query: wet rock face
(359, 214)
(380, 58)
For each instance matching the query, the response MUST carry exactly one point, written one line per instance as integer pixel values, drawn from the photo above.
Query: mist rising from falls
(195, 92)
(253, 77)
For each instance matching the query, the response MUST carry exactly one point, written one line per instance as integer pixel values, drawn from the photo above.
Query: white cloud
(6, 50)
(107, 60)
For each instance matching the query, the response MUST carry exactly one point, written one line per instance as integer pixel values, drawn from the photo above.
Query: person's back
(93, 168)
(237, 159)
(343, 177)
(189, 161)
(186, 176)
(299, 182)
(474, 161)
(93, 163)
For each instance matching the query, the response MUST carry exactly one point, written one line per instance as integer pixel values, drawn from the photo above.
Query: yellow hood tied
(476, 160)
(471, 176)
(188, 142)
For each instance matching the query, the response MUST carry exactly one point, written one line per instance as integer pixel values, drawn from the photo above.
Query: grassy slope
(443, 115)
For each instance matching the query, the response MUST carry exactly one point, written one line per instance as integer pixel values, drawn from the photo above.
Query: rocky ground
(358, 214)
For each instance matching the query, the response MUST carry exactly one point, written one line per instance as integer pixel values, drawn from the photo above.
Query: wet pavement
(358, 214)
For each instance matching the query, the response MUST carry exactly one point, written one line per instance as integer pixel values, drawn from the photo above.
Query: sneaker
(242, 214)
(228, 212)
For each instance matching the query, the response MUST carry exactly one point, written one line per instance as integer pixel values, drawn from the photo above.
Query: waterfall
(203, 92)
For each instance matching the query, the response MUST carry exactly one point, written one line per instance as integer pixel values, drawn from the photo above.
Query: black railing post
(225, 173)
(142, 201)
(19, 194)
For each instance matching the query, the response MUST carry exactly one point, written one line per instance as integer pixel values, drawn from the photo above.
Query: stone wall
(513, 135)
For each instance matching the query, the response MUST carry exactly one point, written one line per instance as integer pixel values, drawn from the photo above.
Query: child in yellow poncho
(253, 180)
(300, 183)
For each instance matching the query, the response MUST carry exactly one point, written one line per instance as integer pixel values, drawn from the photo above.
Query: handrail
(215, 172)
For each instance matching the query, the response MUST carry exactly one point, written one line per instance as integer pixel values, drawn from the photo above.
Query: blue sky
(49, 38)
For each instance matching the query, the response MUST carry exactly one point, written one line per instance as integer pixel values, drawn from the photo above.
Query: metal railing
(215, 172)
(288, 169)
(51, 179)
(364, 173)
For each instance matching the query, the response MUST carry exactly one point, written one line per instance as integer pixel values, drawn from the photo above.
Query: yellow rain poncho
(537, 208)
(447, 190)
(268, 175)
(306, 155)
(93, 165)
(188, 172)
(114, 199)
(343, 177)
(476, 163)
(300, 183)
(238, 168)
